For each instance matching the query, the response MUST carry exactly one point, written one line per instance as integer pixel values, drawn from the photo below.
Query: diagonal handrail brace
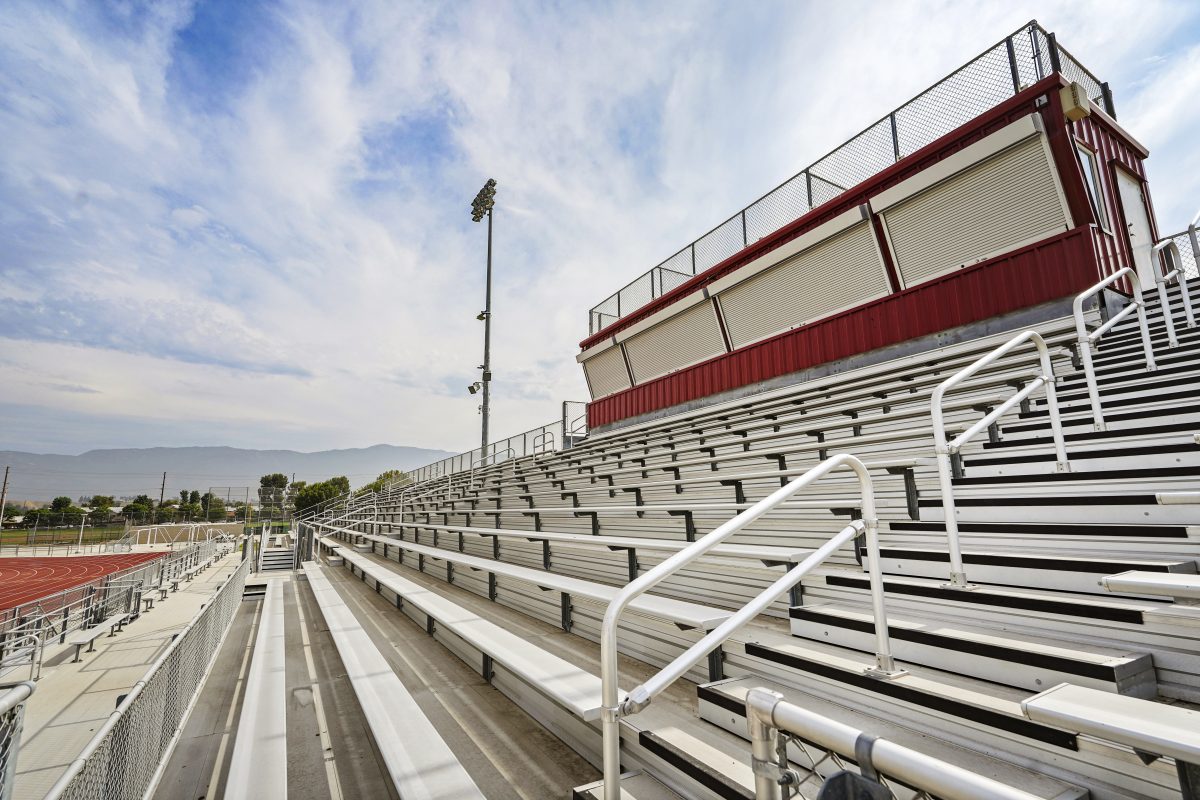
(613, 709)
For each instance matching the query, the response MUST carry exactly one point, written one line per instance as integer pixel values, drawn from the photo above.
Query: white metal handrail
(613, 709)
(767, 713)
(1177, 273)
(945, 449)
(539, 443)
(483, 462)
(1086, 340)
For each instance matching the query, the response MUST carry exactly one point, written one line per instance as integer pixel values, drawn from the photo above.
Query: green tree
(316, 493)
(102, 503)
(140, 506)
(183, 496)
(214, 509)
(194, 497)
(60, 504)
(271, 492)
(392, 477)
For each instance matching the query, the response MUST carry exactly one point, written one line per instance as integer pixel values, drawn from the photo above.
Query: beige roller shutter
(838, 273)
(606, 372)
(680, 341)
(1009, 200)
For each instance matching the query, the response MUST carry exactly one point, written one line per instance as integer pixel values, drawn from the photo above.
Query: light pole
(481, 207)
(82, 519)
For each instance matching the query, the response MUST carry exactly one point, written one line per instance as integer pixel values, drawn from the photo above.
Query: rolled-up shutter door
(606, 372)
(838, 273)
(682, 340)
(1006, 201)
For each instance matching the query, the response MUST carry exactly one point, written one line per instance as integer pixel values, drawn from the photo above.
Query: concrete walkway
(72, 701)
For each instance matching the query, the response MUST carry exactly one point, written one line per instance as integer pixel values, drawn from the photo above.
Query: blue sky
(248, 223)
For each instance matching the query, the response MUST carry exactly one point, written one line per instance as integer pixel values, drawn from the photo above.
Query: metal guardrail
(1174, 263)
(564, 433)
(945, 450)
(1085, 340)
(1001, 71)
(126, 757)
(777, 726)
(12, 712)
(612, 709)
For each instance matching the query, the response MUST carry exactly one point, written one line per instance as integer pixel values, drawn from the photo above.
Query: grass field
(22, 536)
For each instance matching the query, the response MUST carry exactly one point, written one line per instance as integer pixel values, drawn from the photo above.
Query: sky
(248, 224)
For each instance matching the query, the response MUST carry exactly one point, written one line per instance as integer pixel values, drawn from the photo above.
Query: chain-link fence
(1188, 254)
(1013, 64)
(124, 758)
(28, 628)
(12, 711)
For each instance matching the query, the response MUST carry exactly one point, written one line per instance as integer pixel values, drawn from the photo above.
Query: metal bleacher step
(1002, 601)
(1081, 421)
(1015, 660)
(1061, 571)
(723, 703)
(998, 501)
(634, 786)
(1064, 531)
(1176, 451)
(418, 759)
(837, 672)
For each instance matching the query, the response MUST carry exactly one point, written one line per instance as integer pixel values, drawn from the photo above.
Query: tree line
(277, 498)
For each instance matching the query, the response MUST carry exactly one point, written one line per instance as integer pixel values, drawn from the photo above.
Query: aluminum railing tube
(611, 707)
(656, 684)
(1161, 280)
(1085, 340)
(767, 712)
(944, 449)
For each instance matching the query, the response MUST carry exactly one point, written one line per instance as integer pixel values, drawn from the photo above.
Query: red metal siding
(1051, 269)
(1113, 151)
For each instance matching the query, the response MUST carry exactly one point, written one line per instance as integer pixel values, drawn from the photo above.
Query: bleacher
(1079, 577)
(959, 566)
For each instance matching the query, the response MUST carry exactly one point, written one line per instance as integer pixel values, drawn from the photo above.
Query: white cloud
(283, 246)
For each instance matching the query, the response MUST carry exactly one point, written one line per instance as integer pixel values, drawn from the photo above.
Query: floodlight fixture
(481, 206)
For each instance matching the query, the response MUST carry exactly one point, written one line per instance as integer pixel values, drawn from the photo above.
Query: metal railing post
(944, 449)
(764, 736)
(1084, 340)
(612, 708)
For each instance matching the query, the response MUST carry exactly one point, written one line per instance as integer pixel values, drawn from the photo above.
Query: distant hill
(139, 471)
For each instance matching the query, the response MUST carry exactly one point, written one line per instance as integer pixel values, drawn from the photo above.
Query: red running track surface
(23, 580)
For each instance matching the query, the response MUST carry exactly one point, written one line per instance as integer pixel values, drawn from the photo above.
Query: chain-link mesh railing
(1003, 70)
(557, 435)
(1187, 253)
(123, 760)
(12, 711)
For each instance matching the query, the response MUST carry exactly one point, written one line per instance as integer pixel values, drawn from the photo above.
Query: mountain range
(130, 472)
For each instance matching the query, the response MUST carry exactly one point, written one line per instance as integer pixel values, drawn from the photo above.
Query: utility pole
(162, 490)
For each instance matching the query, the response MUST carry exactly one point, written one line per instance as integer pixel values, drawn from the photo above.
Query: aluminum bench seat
(1148, 727)
(258, 765)
(769, 555)
(89, 636)
(682, 614)
(1181, 586)
(418, 760)
(571, 687)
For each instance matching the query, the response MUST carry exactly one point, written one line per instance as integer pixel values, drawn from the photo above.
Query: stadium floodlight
(475, 387)
(482, 206)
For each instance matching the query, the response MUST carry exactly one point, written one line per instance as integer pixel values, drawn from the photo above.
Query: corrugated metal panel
(1009, 200)
(606, 372)
(839, 273)
(675, 343)
(1055, 268)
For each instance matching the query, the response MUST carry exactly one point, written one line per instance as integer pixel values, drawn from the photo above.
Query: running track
(23, 580)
